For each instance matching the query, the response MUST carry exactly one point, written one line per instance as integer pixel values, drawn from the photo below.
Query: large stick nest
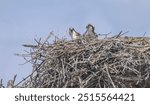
(114, 62)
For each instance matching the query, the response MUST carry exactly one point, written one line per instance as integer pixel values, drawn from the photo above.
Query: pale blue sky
(23, 20)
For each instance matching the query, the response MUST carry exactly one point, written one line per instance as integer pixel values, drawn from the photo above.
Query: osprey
(90, 32)
(74, 34)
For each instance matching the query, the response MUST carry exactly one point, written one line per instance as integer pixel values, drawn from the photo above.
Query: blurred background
(23, 20)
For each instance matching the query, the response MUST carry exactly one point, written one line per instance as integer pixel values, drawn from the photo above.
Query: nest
(112, 62)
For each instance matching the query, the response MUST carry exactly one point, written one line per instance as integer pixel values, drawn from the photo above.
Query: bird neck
(74, 32)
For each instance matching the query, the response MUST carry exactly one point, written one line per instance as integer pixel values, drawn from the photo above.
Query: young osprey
(90, 31)
(74, 34)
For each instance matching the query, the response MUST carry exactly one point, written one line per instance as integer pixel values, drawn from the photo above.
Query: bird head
(90, 27)
(71, 29)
